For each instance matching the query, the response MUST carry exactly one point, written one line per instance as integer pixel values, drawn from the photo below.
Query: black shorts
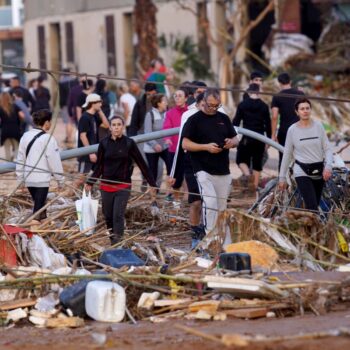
(250, 152)
(192, 185)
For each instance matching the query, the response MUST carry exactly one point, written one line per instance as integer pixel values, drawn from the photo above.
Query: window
(69, 42)
(110, 39)
(42, 47)
(6, 19)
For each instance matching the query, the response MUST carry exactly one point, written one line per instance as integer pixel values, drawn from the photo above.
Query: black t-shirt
(203, 128)
(81, 100)
(285, 106)
(255, 116)
(10, 124)
(89, 124)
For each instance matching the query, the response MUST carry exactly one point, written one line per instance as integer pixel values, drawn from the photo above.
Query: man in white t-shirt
(127, 103)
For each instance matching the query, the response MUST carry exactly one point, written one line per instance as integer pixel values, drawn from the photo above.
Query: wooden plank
(210, 306)
(244, 287)
(71, 322)
(248, 313)
(170, 302)
(15, 304)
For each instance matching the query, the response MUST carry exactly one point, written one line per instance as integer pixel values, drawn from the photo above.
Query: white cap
(91, 98)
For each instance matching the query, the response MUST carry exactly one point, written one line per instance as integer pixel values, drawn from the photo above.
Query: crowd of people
(108, 115)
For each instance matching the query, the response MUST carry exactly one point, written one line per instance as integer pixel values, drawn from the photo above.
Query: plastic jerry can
(120, 257)
(235, 261)
(73, 298)
(105, 301)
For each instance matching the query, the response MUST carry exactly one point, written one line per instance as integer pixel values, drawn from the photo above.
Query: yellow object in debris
(262, 255)
(174, 289)
(343, 245)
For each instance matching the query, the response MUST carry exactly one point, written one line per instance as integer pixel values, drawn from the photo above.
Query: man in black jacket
(140, 109)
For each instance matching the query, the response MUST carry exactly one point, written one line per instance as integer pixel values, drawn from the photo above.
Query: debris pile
(155, 277)
(332, 52)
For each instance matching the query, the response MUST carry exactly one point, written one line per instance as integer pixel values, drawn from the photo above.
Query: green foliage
(186, 56)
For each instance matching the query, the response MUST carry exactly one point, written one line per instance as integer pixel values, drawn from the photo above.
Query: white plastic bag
(43, 256)
(87, 213)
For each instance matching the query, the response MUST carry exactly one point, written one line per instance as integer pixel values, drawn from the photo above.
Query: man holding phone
(207, 136)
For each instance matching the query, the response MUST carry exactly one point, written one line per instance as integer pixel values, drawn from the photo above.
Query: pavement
(270, 168)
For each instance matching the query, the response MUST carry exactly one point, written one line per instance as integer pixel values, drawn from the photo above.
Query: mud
(146, 335)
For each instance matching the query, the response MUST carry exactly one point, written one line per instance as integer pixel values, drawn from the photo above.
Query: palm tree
(146, 31)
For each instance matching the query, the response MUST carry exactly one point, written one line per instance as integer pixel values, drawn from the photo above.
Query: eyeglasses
(213, 106)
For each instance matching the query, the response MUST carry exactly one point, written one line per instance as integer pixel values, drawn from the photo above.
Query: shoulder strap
(33, 140)
(152, 118)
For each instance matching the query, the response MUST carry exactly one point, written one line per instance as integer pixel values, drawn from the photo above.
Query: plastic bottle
(105, 301)
(73, 298)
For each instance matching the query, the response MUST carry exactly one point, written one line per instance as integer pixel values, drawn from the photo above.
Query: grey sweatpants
(113, 208)
(214, 190)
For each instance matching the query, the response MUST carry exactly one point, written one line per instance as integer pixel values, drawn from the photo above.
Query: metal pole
(83, 151)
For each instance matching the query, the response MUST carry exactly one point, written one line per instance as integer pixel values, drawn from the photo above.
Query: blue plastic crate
(120, 257)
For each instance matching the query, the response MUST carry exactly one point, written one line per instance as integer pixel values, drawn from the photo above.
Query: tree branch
(250, 27)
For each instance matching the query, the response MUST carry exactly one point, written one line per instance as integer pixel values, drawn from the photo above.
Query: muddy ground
(146, 335)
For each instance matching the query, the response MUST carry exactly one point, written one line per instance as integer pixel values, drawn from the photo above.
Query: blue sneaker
(169, 197)
(194, 243)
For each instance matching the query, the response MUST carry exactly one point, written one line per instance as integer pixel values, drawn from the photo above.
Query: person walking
(208, 135)
(137, 124)
(156, 149)
(126, 104)
(101, 89)
(173, 120)
(88, 87)
(10, 118)
(141, 107)
(283, 111)
(66, 82)
(42, 96)
(114, 166)
(194, 199)
(88, 126)
(255, 77)
(38, 160)
(18, 101)
(28, 99)
(255, 116)
(308, 144)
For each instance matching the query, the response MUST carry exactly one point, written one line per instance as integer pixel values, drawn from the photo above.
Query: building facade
(98, 36)
(11, 34)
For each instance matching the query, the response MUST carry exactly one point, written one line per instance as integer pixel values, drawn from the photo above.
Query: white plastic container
(105, 301)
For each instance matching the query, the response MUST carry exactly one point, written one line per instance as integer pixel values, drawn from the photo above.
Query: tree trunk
(146, 31)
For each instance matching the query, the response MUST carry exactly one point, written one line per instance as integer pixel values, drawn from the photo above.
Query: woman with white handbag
(115, 157)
